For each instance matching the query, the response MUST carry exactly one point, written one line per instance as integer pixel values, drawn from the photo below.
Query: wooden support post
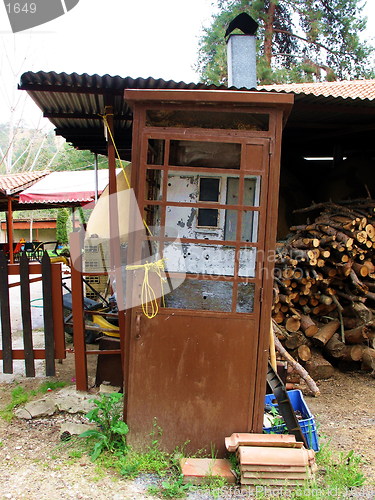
(80, 359)
(114, 243)
(26, 316)
(10, 230)
(6, 329)
(48, 316)
(58, 313)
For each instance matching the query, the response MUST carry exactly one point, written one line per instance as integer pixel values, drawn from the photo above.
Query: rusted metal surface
(109, 366)
(195, 373)
(269, 247)
(195, 368)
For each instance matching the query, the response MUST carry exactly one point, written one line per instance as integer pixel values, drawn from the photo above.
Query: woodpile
(324, 289)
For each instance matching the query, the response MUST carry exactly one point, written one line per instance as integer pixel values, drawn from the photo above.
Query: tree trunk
(318, 367)
(308, 326)
(268, 32)
(339, 350)
(325, 333)
(297, 367)
(368, 360)
(357, 335)
(303, 353)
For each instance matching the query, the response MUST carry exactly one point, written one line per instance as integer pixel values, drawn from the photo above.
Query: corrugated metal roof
(14, 183)
(73, 104)
(352, 89)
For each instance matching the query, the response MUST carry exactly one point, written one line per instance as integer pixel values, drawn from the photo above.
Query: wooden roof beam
(83, 116)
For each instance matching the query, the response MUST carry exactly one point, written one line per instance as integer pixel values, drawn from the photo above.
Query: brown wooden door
(193, 367)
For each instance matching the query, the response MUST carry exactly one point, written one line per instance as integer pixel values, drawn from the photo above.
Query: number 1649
(17, 8)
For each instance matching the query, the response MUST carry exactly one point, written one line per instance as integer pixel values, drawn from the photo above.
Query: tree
(63, 226)
(34, 149)
(297, 40)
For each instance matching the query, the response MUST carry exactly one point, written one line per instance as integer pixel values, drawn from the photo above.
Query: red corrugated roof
(13, 183)
(354, 89)
(66, 187)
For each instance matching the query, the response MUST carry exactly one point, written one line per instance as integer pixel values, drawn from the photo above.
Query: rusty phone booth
(205, 168)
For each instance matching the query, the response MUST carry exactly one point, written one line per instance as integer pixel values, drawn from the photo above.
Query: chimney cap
(243, 22)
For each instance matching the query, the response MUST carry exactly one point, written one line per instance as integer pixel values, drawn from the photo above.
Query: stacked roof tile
(14, 183)
(352, 89)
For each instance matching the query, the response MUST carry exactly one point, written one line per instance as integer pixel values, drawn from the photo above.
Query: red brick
(196, 470)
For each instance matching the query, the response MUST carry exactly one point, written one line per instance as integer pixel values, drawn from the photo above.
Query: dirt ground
(35, 465)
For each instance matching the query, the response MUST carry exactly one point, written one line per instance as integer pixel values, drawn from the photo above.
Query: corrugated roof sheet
(73, 103)
(352, 89)
(13, 183)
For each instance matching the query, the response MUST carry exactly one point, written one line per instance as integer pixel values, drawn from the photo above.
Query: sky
(120, 37)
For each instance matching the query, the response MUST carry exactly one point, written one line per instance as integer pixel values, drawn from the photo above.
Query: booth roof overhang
(322, 112)
(67, 188)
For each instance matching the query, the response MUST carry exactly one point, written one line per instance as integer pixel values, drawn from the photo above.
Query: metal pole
(96, 178)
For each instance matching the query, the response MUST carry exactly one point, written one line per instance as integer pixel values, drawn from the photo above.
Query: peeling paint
(191, 218)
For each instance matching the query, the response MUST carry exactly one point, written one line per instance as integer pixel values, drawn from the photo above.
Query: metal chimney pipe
(241, 55)
(241, 52)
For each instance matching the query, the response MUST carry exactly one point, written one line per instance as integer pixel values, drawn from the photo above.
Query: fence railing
(54, 339)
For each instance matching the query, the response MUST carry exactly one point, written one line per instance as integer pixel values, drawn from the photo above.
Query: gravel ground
(35, 464)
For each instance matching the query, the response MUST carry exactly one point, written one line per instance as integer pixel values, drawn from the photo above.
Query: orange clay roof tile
(353, 89)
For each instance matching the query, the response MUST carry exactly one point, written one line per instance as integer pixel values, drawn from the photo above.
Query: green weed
(50, 385)
(171, 488)
(18, 396)
(111, 432)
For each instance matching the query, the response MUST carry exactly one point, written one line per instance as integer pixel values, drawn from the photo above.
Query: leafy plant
(112, 430)
(171, 488)
(277, 418)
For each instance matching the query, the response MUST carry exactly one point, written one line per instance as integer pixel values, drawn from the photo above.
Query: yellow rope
(114, 145)
(148, 296)
(150, 305)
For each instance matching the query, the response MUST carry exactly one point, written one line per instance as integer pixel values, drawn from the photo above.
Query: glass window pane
(250, 223)
(207, 119)
(245, 298)
(209, 189)
(208, 217)
(230, 228)
(252, 191)
(198, 258)
(154, 184)
(201, 223)
(155, 151)
(182, 187)
(152, 215)
(247, 262)
(204, 295)
(205, 154)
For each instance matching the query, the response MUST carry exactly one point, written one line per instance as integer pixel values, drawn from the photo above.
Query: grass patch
(20, 396)
(338, 477)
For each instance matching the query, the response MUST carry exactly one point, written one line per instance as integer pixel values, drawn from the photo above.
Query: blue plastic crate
(307, 423)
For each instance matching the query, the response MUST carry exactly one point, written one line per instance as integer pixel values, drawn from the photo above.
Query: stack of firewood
(324, 288)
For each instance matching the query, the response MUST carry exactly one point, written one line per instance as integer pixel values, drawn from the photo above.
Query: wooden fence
(54, 338)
